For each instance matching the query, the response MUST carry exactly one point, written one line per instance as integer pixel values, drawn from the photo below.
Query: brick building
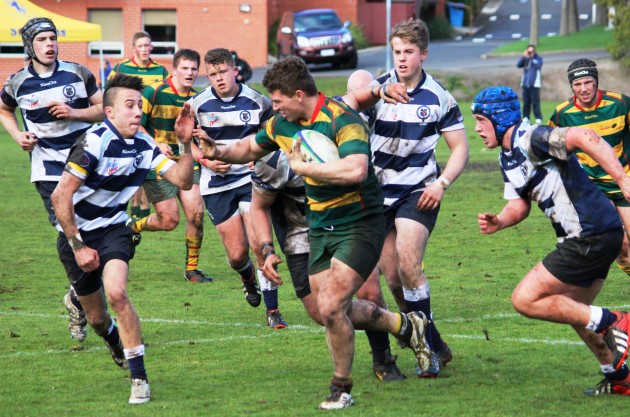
(241, 25)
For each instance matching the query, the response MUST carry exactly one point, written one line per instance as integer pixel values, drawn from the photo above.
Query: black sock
(112, 338)
(136, 367)
(608, 318)
(379, 342)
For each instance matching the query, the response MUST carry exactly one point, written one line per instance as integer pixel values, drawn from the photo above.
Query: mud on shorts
(162, 190)
(111, 242)
(226, 204)
(357, 244)
(582, 261)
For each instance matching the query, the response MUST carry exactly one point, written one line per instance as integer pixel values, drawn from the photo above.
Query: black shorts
(112, 242)
(45, 190)
(582, 261)
(226, 204)
(407, 208)
(298, 269)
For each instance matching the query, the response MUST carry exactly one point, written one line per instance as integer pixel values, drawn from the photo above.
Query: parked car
(317, 36)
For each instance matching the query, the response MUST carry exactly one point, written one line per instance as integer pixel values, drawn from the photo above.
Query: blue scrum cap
(500, 105)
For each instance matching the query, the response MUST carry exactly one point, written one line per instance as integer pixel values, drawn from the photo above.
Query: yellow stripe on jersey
(77, 168)
(590, 162)
(340, 201)
(160, 166)
(355, 131)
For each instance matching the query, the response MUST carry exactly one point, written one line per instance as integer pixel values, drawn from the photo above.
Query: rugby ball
(316, 147)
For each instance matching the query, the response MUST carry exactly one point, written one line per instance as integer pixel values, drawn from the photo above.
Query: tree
(619, 48)
(569, 17)
(533, 24)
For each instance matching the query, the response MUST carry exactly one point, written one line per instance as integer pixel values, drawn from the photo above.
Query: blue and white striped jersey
(226, 120)
(112, 170)
(538, 168)
(272, 175)
(69, 83)
(404, 136)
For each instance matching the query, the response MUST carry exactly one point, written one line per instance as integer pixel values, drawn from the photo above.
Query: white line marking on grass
(519, 340)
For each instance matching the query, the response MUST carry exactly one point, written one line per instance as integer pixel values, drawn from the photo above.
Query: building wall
(372, 18)
(201, 25)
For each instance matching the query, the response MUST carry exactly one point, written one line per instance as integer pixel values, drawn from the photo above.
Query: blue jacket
(531, 70)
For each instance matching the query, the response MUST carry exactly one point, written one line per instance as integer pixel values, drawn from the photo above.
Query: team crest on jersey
(69, 91)
(85, 161)
(32, 101)
(213, 119)
(138, 160)
(245, 116)
(423, 113)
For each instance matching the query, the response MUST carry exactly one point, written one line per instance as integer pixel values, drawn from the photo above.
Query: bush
(439, 28)
(361, 41)
(272, 36)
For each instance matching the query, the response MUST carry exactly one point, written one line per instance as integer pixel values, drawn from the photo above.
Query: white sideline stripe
(518, 340)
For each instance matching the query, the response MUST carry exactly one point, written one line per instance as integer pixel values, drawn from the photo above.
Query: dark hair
(187, 54)
(582, 68)
(139, 35)
(219, 56)
(289, 75)
(121, 81)
(413, 31)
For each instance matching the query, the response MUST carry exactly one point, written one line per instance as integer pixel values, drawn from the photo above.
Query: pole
(388, 22)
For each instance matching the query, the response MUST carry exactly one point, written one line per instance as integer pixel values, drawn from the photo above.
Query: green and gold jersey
(161, 103)
(330, 204)
(610, 119)
(150, 74)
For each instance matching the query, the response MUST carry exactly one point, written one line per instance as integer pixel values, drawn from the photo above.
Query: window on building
(161, 25)
(112, 28)
(11, 50)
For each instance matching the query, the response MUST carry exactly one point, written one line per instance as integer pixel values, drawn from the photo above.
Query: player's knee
(118, 299)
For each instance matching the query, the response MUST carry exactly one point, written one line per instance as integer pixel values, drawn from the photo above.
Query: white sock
(265, 284)
(416, 294)
(596, 318)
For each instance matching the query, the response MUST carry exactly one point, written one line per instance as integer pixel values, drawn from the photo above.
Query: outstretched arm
(514, 212)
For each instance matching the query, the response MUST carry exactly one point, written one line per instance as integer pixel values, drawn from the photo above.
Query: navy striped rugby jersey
(112, 170)
(539, 168)
(227, 120)
(69, 83)
(404, 136)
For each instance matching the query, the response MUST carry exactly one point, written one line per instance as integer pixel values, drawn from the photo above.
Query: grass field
(209, 353)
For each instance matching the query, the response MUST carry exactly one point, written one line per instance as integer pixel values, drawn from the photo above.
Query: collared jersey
(227, 120)
(161, 104)
(405, 135)
(273, 176)
(610, 119)
(150, 74)
(112, 169)
(330, 204)
(69, 83)
(538, 168)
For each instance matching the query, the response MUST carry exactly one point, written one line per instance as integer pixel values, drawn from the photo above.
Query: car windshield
(309, 22)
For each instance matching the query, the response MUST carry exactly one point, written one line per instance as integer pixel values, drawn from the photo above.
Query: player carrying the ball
(346, 228)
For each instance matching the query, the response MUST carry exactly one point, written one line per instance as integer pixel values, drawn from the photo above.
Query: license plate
(327, 52)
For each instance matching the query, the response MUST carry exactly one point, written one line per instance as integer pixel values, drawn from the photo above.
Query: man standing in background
(531, 81)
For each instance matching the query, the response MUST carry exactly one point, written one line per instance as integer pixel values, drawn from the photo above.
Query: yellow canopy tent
(15, 13)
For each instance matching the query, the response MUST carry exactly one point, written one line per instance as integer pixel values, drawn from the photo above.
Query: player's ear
(299, 95)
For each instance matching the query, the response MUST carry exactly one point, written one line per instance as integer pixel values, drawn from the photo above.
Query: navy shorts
(407, 208)
(112, 242)
(582, 261)
(226, 204)
(45, 190)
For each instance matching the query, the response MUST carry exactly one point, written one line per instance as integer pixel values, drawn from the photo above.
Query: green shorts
(618, 199)
(162, 190)
(357, 244)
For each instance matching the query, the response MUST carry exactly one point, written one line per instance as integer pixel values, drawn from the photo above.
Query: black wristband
(266, 245)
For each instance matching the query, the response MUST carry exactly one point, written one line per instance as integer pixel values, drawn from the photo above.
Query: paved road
(510, 22)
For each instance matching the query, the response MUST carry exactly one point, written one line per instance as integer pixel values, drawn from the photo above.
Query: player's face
(126, 112)
(142, 50)
(186, 73)
(485, 130)
(585, 91)
(290, 108)
(222, 77)
(45, 47)
(407, 59)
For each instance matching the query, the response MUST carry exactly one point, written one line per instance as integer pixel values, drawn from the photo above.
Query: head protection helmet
(31, 29)
(582, 68)
(500, 105)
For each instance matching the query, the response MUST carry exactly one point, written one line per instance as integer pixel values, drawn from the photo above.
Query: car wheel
(351, 62)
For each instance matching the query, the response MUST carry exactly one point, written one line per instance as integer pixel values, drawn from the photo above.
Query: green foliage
(620, 46)
(272, 37)
(360, 39)
(592, 37)
(439, 28)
